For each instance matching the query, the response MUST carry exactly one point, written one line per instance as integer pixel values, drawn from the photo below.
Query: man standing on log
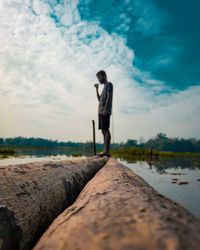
(104, 109)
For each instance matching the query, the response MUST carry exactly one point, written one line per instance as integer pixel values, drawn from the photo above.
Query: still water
(177, 179)
(27, 159)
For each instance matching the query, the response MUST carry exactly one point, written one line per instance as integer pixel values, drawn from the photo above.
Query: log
(33, 194)
(118, 210)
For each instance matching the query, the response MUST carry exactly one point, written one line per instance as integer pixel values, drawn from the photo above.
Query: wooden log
(118, 210)
(32, 195)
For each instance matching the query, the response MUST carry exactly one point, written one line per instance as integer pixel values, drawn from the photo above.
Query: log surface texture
(33, 194)
(118, 210)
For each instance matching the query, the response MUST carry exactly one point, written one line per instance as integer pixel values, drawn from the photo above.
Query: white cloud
(47, 72)
(40, 7)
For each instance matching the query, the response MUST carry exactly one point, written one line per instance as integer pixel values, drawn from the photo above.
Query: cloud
(49, 58)
(149, 18)
(142, 16)
(177, 115)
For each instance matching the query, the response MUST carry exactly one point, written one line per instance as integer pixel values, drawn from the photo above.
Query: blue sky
(51, 50)
(164, 35)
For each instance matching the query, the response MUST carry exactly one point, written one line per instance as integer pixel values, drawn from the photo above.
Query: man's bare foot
(104, 154)
(101, 154)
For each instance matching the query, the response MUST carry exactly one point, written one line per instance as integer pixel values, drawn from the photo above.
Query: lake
(27, 159)
(177, 179)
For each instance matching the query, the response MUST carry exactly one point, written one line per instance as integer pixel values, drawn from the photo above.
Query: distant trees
(41, 142)
(131, 143)
(23, 141)
(160, 142)
(1, 141)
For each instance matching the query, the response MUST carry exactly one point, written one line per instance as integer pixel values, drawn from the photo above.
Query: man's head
(102, 77)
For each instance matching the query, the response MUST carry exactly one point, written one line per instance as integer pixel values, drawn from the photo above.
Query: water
(176, 179)
(27, 159)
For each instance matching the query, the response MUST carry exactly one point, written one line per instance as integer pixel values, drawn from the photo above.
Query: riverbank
(149, 154)
(40, 151)
(6, 152)
(121, 152)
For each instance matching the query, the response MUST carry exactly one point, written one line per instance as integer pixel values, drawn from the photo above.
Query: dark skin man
(105, 106)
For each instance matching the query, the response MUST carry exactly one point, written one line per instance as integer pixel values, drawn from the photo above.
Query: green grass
(144, 154)
(6, 152)
(43, 151)
(131, 153)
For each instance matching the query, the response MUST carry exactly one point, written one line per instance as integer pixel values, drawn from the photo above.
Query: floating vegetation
(177, 173)
(183, 182)
(177, 181)
(76, 155)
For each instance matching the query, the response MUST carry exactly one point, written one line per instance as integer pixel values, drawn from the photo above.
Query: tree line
(160, 142)
(163, 143)
(41, 142)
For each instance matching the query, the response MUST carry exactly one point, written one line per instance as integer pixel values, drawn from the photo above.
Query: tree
(131, 143)
(1, 141)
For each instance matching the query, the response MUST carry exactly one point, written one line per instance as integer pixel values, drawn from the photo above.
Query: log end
(10, 233)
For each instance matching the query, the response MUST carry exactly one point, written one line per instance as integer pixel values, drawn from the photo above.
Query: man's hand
(105, 112)
(96, 85)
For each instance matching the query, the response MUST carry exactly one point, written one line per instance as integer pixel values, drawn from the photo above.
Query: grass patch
(6, 152)
(41, 151)
(146, 154)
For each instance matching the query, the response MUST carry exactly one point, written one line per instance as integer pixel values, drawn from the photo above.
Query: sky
(50, 51)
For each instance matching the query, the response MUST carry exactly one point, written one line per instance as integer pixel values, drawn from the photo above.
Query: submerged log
(118, 210)
(33, 194)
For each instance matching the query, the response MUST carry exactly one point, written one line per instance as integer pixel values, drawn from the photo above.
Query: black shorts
(104, 122)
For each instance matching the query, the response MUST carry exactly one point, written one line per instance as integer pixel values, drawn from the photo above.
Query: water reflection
(166, 163)
(177, 178)
(177, 163)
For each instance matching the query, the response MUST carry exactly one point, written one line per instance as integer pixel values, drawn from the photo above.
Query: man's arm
(97, 91)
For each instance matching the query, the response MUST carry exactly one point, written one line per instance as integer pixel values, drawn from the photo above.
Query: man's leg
(104, 140)
(107, 141)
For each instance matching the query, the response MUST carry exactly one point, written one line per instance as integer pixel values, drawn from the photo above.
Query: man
(104, 110)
